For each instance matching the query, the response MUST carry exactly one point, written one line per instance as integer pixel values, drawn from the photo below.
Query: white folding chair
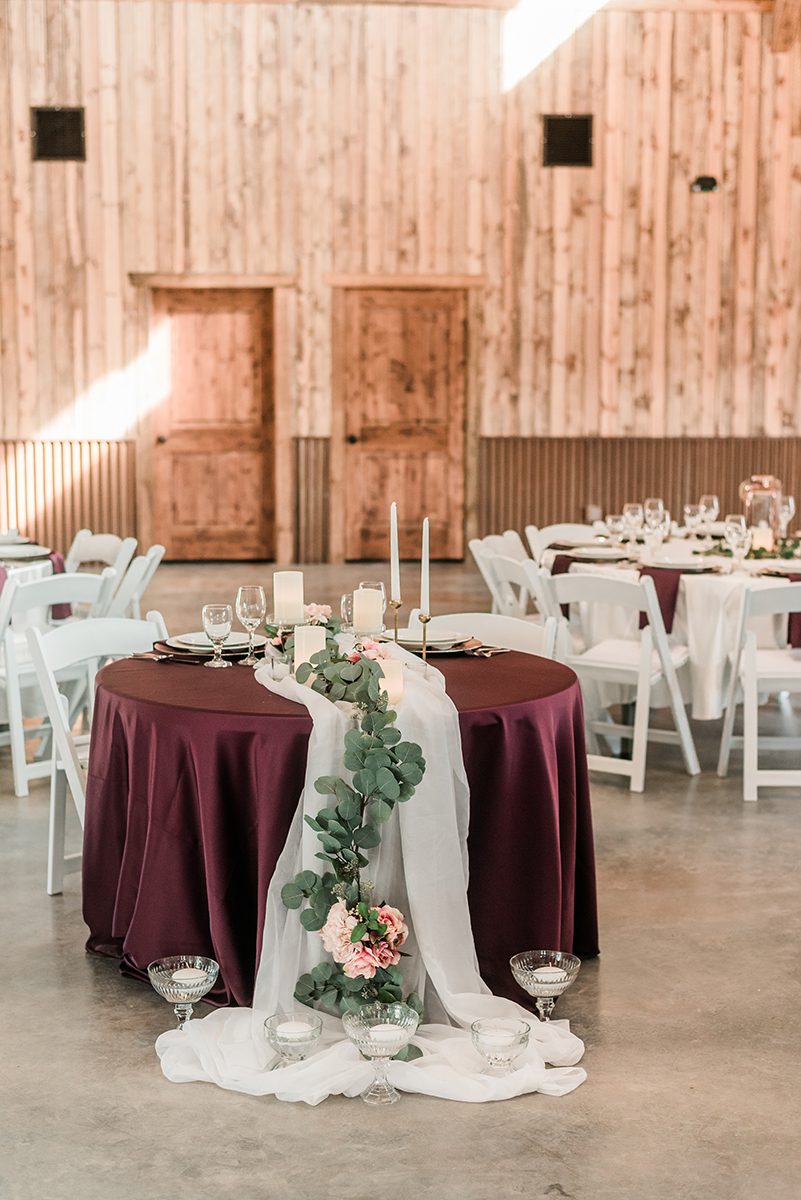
(754, 671)
(540, 539)
(642, 661)
(496, 629)
(17, 673)
(54, 653)
(126, 601)
(106, 548)
(521, 582)
(509, 544)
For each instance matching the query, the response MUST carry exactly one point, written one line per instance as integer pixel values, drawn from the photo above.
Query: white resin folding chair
(126, 601)
(754, 671)
(509, 544)
(521, 582)
(642, 661)
(550, 535)
(496, 629)
(105, 548)
(68, 649)
(17, 673)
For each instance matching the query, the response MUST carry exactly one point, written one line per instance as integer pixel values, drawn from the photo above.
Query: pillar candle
(392, 683)
(762, 538)
(288, 597)
(425, 599)
(394, 555)
(368, 610)
(309, 640)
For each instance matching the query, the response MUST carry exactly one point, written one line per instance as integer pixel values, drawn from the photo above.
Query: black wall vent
(57, 135)
(567, 141)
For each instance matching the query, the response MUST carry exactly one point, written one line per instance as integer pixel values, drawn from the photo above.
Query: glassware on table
(786, 514)
(616, 526)
(633, 518)
(737, 536)
(653, 512)
(293, 1035)
(379, 1031)
(183, 980)
(710, 511)
(500, 1040)
(545, 975)
(251, 609)
(346, 611)
(217, 622)
(761, 496)
(692, 520)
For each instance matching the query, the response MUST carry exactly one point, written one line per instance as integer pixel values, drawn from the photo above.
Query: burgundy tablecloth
(193, 782)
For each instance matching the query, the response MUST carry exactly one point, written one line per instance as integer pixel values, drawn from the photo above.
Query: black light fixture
(57, 135)
(704, 183)
(567, 141)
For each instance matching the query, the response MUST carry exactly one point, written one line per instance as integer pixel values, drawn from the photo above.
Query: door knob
(352, 439)
(160, 440)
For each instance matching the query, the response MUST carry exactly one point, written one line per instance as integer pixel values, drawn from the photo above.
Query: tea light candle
(309, 640)
(497, 1037)
(546, 974)
(191, 975)
(386, 1035)
(762, 538)
(392, 683)
(292, 1031)
(368, 610)
(288, 597)
(394, 555)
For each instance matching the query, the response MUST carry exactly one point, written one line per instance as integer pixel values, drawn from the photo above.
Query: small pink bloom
(354, 657)
(336, 932)
(276, 641)
(397, 929)
(387, 956)
(318, 614)
(363, 961)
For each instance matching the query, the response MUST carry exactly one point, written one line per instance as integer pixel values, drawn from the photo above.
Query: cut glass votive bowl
(183, 980)
(500, 1040)
(293, 1035)
(545, 974)
(379, 1031)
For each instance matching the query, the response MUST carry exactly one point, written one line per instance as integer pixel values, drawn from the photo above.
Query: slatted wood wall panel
(313, 506)
(50, 490)
(544, 480)
(303, 139)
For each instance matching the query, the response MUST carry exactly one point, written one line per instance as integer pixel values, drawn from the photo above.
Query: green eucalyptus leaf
(414, 1001)
(387, 783)
(350, 1003)
(326, 786)
(393, 974)
(353, 740)
(339, 831)
(375, 759)
(311, 920)
(329, 844)
(348, 855)
(324, 815)
(305, 987)
(303, 672)
(390, 737)
(351, 672)
(322, 972)
(350, 809)
(388, 995)
(291, 895)
(321, 903)
(408, 1053)
(307, 880)
(315, 825)
(410, 773)
(352, 985)
(329, 998)
(331, 672)
(380, 810)
(337, 691)
(353, 761)
(365, 782)
(358, 932)
(343, 791)
(367, 837)
(408, 752)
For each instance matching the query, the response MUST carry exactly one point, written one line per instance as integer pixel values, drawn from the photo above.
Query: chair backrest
(105, 548)
(776, 601)
(69, 646)
(134, 585)
(630, 595)
(520, 580)
(94, 590)
(497, 629)
(540, 539)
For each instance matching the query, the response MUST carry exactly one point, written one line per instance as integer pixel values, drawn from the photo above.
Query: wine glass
(251, 609)
(710, 511)
(653, 512)
(183, 980)
(293, 1035)
(380, 1031)
(786, 514)
(615, 525)
(692, 520)
(217, 622)
(545, 974)
(500, 1040)
(738, 537)
(633, 517)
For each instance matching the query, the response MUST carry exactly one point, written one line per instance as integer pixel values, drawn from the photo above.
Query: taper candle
(394, 554)
(425, 599)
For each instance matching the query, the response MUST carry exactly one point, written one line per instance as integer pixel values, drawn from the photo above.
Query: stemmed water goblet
(293, 1035)
(183, 980)
(692, 520)
(615, 526)
(545, 974)
(251, 609)
(379, 1031)
(738, 537)
(653, 512)
(633, 517)
(710, 511)
(786, 514)
(217, 622)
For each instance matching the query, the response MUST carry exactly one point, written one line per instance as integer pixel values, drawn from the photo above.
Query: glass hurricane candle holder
(183, 980)
(379, 1031)
(545, 974)
(500, 1040)
(293, 1035)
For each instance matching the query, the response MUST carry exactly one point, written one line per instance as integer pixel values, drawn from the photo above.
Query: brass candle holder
(424, 618)
(395, 605)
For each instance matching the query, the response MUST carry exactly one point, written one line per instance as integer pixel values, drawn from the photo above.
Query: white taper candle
(425, 599)
(394, 555)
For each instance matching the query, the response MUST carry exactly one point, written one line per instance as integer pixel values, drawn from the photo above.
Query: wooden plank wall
(50, 490)
(541, 481)
(303, 140)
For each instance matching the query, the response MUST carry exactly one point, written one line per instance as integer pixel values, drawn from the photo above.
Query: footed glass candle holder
(545, 974)
(500, 1040)
(183, 980)
(293, 1035)
(380, 1031)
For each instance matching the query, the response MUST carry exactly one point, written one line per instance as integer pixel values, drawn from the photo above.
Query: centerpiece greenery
(785, 548)
(363, 937)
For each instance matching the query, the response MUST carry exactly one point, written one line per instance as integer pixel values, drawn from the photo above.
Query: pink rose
(318, 614)
(354, 657)
(387, 956)
(397, 929)
(372, 649)
(364, 960)
(336, 932)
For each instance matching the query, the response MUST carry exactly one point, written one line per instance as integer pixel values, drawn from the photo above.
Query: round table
(194, 778)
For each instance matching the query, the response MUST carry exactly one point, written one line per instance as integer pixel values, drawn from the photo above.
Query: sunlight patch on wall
(534, 29)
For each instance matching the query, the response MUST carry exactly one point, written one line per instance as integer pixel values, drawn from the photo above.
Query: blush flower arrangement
(282, 640)
(363, 938)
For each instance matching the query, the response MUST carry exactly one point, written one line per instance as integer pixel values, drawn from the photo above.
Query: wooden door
(403, 384)
(212, 433)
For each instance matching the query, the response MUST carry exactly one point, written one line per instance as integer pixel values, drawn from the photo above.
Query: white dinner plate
(23, 551)
(13, 539)
(606, 552)
(444, 639)
(200, 643)
(679, 564)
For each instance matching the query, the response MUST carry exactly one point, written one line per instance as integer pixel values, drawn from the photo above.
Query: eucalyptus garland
(384, 772)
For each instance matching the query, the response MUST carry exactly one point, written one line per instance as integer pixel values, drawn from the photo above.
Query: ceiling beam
(786, 24)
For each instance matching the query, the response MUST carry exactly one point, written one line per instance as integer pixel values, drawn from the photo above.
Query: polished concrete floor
(691, 1018)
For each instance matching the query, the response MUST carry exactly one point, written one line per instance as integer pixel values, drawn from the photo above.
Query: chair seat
(622, 653)
(777, 664)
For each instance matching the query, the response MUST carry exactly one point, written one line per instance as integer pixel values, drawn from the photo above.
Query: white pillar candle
(191, 975)
(309, 640)
(368, 610)
(762, 538)
(392, 683)
(497, 1037)
(394, 555)
(293, 1030)
(288, 597)
(425, 599)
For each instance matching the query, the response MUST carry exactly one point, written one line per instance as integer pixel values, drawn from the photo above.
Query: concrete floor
(690, 1018)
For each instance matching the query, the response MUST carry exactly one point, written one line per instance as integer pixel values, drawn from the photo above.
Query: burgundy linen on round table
(194, 780)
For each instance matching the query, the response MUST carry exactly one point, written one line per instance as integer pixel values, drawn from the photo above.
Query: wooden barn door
(401, 375)
(212, 434)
